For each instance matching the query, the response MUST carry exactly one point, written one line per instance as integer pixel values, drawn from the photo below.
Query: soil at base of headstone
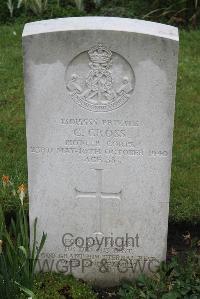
(181, 236)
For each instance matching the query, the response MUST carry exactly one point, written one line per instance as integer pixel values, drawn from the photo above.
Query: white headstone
(100, 96)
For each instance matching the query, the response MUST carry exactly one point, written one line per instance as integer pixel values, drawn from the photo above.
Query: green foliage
(123, 8)
(179, 12)
(24, 11)
(79, 4)
(117, 11)
(179, 279)
(58, 286)
(97, 2)
(10, 7)
(17, 257)
(37, 7)
(8, 10)
(87, 5)
(8, 194)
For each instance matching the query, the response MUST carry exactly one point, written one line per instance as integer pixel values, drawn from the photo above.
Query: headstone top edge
(101, 23)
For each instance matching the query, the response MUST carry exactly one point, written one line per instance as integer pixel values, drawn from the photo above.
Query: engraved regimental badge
(100, 80)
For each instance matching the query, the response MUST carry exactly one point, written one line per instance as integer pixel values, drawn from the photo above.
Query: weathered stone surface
(100, 96)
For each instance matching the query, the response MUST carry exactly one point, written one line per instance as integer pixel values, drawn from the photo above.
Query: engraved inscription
(106, 141)
(101, 141)
(158, 153)
(100, 80)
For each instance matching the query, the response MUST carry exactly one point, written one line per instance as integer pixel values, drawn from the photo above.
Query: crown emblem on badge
(95, 85)
(99, 54)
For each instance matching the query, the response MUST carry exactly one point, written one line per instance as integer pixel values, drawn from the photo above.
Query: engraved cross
(99, 195)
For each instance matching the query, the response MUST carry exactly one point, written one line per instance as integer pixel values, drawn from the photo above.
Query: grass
(58, 286)
(185, 185)
(185, 190)
(12, 124)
